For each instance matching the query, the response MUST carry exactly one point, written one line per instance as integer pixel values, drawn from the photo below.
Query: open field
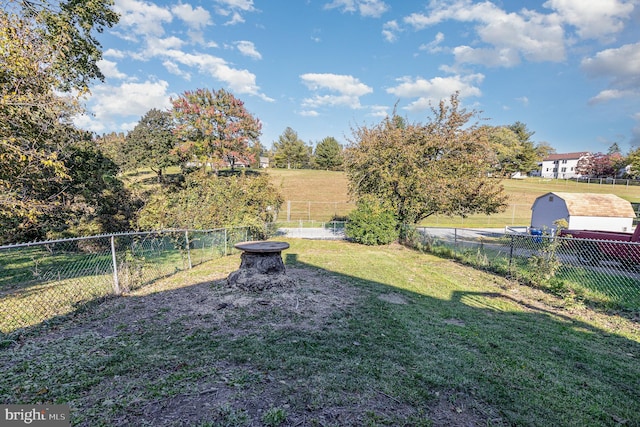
(319, 195)
(368, 336)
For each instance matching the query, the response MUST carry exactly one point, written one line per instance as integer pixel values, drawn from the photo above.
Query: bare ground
(223, 399)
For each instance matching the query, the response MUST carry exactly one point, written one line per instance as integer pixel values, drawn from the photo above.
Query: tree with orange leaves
(214, 128)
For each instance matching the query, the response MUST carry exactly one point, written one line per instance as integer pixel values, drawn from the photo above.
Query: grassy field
(381, 336)
(319, 195)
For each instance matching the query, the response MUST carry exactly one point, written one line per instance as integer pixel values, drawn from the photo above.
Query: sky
(568, 69)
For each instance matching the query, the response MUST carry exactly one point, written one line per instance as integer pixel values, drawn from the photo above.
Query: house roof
(596, 205)
(566, 156)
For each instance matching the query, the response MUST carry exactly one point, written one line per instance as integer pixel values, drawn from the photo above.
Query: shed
(583, 211)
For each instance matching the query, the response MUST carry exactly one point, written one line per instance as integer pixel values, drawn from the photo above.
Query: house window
(563, 170)
(551, 198)
(564, 162)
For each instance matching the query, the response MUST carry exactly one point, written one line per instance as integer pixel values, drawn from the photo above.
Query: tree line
(57, 180)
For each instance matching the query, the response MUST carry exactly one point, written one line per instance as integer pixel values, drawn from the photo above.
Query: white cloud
(491, 57)
(309, 113)
(593, 18)
(239, 81)
(431, 92)
(379, 111)
(347, 85)
(142, 18)
(247, 48)
(621, 66)
(110, 69)
(234, 8)
(114, 53)
(174, 69)
(534, 36)
(368, 8)
(157, 46)
(390, 30)
(196, 19)
(244, 5)
(612, 94)
(434, 45)
(523, 100)
(109, 104)
(349, 90)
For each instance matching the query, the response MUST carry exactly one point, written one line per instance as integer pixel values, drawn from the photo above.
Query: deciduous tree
(215, 127)
(46, 50)
(424, 169)
(152, 143)
(634, 161)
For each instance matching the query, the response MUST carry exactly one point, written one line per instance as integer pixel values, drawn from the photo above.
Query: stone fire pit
(261, 267)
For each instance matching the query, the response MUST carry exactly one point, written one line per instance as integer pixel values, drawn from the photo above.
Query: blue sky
(568, 69)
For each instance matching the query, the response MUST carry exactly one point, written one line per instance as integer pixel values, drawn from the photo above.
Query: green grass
(321, 195)
(457, 346)
(38, 283)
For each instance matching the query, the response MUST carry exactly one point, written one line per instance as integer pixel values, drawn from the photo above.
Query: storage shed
(583, 211)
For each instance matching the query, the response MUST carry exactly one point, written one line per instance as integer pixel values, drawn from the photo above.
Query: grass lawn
(328, 192)
(381, 336)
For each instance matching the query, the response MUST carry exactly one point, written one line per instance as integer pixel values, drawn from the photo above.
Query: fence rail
(41, 280)
(602, 272)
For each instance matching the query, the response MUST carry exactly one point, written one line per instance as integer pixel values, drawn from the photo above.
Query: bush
(372, 223)
(208, 201)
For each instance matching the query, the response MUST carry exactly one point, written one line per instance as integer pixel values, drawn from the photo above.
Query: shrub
(372, 223)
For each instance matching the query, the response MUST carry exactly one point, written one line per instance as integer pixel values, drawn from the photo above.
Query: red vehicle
(607, 245)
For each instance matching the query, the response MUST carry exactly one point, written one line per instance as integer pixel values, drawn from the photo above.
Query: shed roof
(596, 205)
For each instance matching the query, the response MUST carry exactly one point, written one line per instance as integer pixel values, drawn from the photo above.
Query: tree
(633, 159)
(152, 143)
(215, 127)
(66, 29)
(328, 154)
(527, 159)
(111, 145)
(599, 165)
(289, 150)
(544, 150)
(424, 169)
(206, 202)
(47, 50)
(507, 148)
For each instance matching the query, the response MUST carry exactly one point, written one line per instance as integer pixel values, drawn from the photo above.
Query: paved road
(312, 233)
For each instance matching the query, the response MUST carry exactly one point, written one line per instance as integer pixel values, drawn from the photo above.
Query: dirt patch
(230, 391)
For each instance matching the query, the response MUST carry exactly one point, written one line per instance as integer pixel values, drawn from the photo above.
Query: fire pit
(261, 266)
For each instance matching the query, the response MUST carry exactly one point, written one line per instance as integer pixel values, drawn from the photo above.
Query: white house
(562, 166)
(583, 211)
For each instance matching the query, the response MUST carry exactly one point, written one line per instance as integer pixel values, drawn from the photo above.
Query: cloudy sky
(568, 69)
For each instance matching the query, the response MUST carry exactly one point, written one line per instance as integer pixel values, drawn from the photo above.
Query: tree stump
(261, 267)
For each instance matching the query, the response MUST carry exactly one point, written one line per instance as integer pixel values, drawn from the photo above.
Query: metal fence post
(116, 281)
(455, 241)
(186, 239)
(511, 253)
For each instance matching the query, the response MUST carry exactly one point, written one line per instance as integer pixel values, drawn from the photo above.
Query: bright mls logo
(35, 415)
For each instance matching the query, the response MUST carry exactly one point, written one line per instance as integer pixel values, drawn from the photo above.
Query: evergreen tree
(290, 151)
(328, 154)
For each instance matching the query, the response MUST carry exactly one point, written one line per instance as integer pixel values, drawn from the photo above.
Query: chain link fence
(39, 281)
(606, 273)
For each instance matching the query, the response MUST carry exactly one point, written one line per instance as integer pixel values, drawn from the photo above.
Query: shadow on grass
(337, 350)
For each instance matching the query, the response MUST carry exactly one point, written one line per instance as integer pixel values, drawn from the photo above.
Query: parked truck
(607, 245)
